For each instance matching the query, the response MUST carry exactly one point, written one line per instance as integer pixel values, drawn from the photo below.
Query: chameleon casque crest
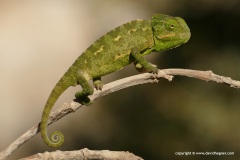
(116, 49)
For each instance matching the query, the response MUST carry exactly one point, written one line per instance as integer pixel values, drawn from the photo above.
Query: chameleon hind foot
(98, 83)
(83, 99)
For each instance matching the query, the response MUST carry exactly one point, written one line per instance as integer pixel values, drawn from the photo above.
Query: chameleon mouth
(185, 36)
(167, 36)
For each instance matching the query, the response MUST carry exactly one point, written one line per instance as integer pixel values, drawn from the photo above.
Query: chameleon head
(169, 32)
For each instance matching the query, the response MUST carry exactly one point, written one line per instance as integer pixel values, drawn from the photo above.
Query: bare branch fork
(115, 86)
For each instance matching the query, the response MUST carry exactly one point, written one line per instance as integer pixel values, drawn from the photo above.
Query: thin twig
(115, 86)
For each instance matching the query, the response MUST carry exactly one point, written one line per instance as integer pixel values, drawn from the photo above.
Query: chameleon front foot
(151, 68)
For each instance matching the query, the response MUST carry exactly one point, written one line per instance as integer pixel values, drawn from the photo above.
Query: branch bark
(118, 85)
(84, 154)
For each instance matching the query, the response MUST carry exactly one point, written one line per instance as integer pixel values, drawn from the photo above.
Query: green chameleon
(123, 45)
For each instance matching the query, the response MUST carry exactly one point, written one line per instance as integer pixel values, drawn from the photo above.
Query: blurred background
(40, 39)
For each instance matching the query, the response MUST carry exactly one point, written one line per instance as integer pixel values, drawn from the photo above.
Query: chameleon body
(121, 46)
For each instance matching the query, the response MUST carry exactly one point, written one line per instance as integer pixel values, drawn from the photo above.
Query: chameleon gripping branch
(126, 44)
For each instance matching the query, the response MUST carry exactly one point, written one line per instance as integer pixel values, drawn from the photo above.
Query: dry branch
(118, 85)
(84, 154)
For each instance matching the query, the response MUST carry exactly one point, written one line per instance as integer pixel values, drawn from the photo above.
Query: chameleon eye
(170, 27)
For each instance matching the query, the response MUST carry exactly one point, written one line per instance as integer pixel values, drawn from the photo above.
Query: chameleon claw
(153, 70)
(98, 84)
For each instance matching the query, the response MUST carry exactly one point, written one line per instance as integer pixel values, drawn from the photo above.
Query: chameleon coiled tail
(57, 138)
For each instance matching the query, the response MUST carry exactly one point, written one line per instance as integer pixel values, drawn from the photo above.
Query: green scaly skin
(123, 45)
